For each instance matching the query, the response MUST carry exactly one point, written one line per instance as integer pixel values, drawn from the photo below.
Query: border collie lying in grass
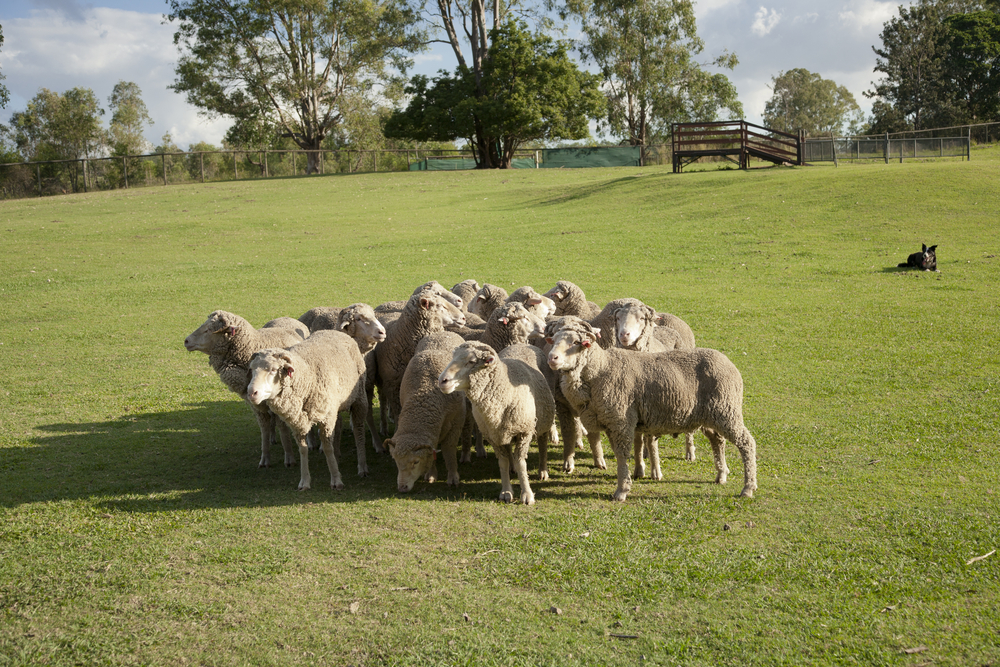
(926, 260)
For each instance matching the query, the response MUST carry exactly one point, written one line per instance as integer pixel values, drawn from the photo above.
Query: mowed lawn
(136, 528)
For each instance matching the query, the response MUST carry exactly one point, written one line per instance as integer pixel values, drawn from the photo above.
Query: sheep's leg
(520, 460)
(449, 451)
(640, 465)
(358, 411)
(305, 480)
(265, 420)
(468, 429)
(543, 456)
(370, 421)
(689, 446)
(594, 436)
(383, 412)
(331, 458)
(651, 445)
(719, 454)
(745, 442)
(503, 457)
(480, 447)
(620, 441)
(571, 438)
(287, 441)
(337, 431)
(314, 440)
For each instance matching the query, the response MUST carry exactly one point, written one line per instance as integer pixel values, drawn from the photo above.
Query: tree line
(329, 74)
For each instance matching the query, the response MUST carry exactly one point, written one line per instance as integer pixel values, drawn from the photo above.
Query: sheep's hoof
(543, 475)
(721, 478)
(656, 475)
(638, 473)
(303, 486)
(264, 464)
(289, 461)
(747, 492)
(689, 456)
(619, 496)
(600, 464)
(506, 497)
(453, 481)
(337, 486)
(528, 498)
(465, 458)
(568, 466)
(362, 471)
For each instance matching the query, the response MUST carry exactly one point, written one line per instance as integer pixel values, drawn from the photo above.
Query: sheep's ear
(389, 445)
(425, 303)
(231, 331)
(345, 324)
(585, 343)
(489, 359)
(504, 320)
(597, 332)
(434, 454)
(650, 313)
(549, 340)
(533, 301)
(481, 298)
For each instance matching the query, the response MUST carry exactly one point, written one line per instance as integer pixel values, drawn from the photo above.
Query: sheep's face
(359, 322)
(541, 305)
(466, 290)
(524, 322)
(213, 335)
(412, 464)
(439, 308)
(570, 346)
(560, 293)
(269, 369)
(487, 299)
(631, 322)
(434, 287)
(467, 359)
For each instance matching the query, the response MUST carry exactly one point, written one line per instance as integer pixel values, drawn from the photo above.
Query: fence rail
(834, 149)
(736, 141)
(54, 177)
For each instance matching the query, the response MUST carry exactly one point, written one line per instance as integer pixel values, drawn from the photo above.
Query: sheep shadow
(205, 456)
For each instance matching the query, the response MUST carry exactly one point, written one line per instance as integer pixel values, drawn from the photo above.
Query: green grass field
(136, 528)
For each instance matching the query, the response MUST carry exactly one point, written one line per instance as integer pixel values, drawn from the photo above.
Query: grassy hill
(135, 527)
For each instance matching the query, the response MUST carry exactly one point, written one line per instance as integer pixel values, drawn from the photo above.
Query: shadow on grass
(206, 455)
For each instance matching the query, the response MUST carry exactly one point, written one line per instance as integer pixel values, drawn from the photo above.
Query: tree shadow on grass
(206, 456)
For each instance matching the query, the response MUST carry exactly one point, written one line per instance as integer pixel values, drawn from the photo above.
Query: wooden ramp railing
(736, 141)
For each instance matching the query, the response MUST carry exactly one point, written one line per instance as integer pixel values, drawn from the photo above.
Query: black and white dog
(926, 260)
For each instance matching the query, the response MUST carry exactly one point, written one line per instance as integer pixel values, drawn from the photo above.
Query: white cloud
(865, 14)
(764, 21)
(96, 48)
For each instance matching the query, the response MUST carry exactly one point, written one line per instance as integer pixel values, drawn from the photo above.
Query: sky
(62, 44)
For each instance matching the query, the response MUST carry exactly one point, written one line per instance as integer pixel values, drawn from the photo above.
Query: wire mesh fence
(885, 148)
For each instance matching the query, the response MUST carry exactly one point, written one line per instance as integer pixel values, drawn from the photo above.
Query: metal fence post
(163, 161)
(38, 173)
(125, 169)
(236, 168)
(266, 174)
(886, 148)
(201, 160)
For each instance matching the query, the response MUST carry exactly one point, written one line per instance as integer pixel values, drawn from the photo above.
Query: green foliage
(136, 528)
(4, 93)
(58, 126)
(941, 66)
(286, 64)
(646, 54)
(528, 90)
(973, 65)
(803, 100)
(129, 118)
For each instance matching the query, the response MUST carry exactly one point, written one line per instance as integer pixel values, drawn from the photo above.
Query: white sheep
(447, 341)
(636, 328)
(622, 392)
(308, 385)
(536, 303)
(511, 403)
(488, 298)
(428, 419)
(424, 313)
(570, 300)
(230, 341)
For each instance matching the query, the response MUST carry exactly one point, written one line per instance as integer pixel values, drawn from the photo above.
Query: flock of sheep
(454, 367)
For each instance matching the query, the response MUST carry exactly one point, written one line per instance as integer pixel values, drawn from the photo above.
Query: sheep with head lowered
(511, 402)
(307, 385)
(230, 341)
(623, 392)
(428, 419)
(536, 303)
(488, 298)
(424, 313)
